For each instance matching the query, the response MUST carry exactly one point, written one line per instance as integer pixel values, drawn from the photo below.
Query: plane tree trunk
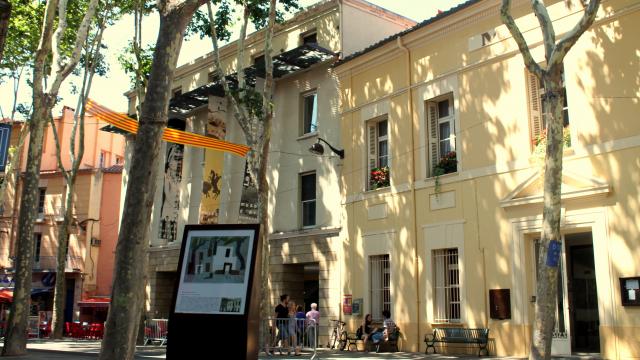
(551, 74)
(127, 295)
(44, 99)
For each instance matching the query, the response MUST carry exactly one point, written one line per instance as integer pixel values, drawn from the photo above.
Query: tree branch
(56, 63)
(238, 113)
(54, 129)
(508, 20)
(44, 46)
(570, 38)
(267, 107)
(546, 26)
(63, 71)
(241, 39)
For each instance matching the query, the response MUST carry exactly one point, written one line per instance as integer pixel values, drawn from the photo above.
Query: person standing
(282, 320)
(313, 321)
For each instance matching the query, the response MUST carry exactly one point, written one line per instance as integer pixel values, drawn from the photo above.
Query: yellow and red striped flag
(122, 121)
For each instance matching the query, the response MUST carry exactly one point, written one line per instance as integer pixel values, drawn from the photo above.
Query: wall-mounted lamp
(318, 149)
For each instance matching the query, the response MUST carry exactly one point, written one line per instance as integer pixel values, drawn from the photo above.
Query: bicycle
(339, 335)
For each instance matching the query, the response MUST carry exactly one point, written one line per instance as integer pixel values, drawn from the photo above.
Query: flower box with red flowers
(379, 178)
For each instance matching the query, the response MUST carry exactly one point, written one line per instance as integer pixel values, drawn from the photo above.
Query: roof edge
(445, 14)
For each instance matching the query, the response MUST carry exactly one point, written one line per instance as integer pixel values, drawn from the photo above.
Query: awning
(40, 291)
(6, 295)
(96, 302)
(286, 63)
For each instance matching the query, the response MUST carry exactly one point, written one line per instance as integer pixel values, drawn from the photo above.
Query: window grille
(446, 275)
(380, 285)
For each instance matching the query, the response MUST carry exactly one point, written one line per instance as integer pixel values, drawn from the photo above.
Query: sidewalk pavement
(73, 349)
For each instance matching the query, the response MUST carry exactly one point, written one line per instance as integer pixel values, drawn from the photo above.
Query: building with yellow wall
(448, 108)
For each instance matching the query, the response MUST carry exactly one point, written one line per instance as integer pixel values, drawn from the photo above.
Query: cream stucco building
(452, 93)
(208, 187)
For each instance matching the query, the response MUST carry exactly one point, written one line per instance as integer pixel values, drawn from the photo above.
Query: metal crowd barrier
(155, 330)
(288, 336)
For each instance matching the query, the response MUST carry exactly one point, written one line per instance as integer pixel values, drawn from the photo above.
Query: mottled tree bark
(551, 75)
(43, 101)
(128, 284)
(15, 342)
(5, 15)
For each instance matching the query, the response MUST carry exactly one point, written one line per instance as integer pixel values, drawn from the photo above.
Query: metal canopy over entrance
(286, 63)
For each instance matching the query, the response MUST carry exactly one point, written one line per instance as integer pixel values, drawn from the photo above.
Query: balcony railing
(73, 264)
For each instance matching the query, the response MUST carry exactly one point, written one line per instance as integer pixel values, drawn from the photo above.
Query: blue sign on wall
(5, 137)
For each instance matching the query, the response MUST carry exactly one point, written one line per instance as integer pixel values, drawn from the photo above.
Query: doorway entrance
(582, 291)
(577, 318)
(302, 283)
(311, 285)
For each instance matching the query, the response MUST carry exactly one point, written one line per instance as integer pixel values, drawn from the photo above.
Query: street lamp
(318, 149)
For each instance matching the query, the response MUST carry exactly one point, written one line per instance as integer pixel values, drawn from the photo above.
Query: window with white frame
(442, 138)
(309, 112)
(308, 199)
(380, 285)
(538, 116)
(42, 192)
(446, 286)
(378, 154)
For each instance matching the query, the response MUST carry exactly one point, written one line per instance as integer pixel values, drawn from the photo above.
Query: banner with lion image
(214, 163)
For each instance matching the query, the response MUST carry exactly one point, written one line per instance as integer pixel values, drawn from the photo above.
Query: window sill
(443, 176)
(378, 190)
(447, 324)
(307, 136)
(533, 158)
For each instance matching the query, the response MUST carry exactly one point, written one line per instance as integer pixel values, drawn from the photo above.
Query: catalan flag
(125, 123)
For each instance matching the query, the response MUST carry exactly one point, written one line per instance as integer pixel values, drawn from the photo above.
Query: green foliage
(22, 38)
(127, 60)
(252, 101)
(224, 16)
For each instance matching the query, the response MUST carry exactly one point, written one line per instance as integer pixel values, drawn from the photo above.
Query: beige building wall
(490, 209)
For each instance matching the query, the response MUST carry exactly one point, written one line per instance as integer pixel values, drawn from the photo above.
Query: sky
(109, 90)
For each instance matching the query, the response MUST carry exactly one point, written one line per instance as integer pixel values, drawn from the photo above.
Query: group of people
(294, 327)
(293, 324)
(386, 332)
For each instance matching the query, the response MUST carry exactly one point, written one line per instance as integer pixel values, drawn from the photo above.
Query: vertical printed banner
(214, 162)
(248, 200)
(170, 208)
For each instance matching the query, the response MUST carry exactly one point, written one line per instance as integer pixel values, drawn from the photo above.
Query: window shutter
(432, 114)
(373, 147)
(534, 103)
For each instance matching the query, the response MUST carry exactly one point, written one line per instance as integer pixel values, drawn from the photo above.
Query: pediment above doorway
(573, 186)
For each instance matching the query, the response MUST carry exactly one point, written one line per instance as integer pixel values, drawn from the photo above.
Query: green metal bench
(479, 337)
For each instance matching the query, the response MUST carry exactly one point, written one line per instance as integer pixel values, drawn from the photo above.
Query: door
(561, 343)
(584, 300)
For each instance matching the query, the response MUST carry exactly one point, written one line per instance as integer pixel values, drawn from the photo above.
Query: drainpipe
(413, 189)
(484, 261)
(340, 24)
